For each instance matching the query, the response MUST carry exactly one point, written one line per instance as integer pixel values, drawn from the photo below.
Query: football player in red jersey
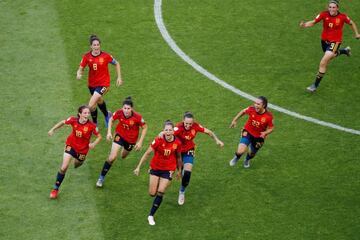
(77, 143)
(165, 161)
(331, 37)
(186, 131)
(126, 135)
(99, 77)
(257, 127)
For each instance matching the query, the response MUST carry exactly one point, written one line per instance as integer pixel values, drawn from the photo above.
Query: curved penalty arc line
(165, 34)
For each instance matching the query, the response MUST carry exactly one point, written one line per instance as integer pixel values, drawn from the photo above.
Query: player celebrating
(99, 77)
(331, 37)
(166, 159)
(186, 131)
(77, 143)
(127, 132)
(257, 127)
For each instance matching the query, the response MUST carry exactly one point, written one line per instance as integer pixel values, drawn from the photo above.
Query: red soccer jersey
(128, 128)
(187, 136)
(165, 154)
(332, 26)
(79, 138)
(257, 123)
(98, 69)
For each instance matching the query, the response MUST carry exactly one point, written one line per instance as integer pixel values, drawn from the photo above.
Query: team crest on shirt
(101, 60)
(337, 21)
(253, 115)
(263, 120)
(75, 126)
(193, 131)
(131, 122)
(86, 129)
(174, 146)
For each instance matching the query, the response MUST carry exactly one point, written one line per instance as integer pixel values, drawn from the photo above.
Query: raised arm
(142, 160)
(56, 126)
(307, 24)
(239, 115)
(213, 136)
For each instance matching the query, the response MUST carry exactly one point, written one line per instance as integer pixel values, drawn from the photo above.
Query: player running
(126, 135)
(257, 127)
(99, 77)
(165, 161)
(186, 131)
(77, 143)
(331, 37)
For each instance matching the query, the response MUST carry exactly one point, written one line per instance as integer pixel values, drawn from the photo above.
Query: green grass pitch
(304, 183)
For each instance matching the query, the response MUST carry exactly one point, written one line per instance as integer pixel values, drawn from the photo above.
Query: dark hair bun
(128, 101)
(93, 37)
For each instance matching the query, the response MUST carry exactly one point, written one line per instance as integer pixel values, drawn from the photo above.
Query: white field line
(165, 34)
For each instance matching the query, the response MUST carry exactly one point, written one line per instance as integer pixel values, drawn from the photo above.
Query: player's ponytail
(93, 37)
(128, 101)
(264, 101)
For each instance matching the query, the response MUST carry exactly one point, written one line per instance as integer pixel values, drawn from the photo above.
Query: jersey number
(167, 152)
(78, 133)
(255, 123)
(95, 66)
(331, 25)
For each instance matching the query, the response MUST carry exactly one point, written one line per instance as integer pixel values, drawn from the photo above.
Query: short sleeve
(69, 121)
(155, 143)
(116, 115)
(347, 19)
(319, 17)
(109, 58)
(83, 62)
(141, 121)
(248, 110)
(96, 131)
(270, 124)
(199, 128)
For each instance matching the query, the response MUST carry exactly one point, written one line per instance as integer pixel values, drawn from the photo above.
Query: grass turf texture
(302, 185)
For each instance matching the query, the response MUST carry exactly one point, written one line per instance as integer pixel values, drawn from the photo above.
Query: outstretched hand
(51, 132)
(233, 124)
(109, 137)
(119, 82)
(137, 171)
(178, 175)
